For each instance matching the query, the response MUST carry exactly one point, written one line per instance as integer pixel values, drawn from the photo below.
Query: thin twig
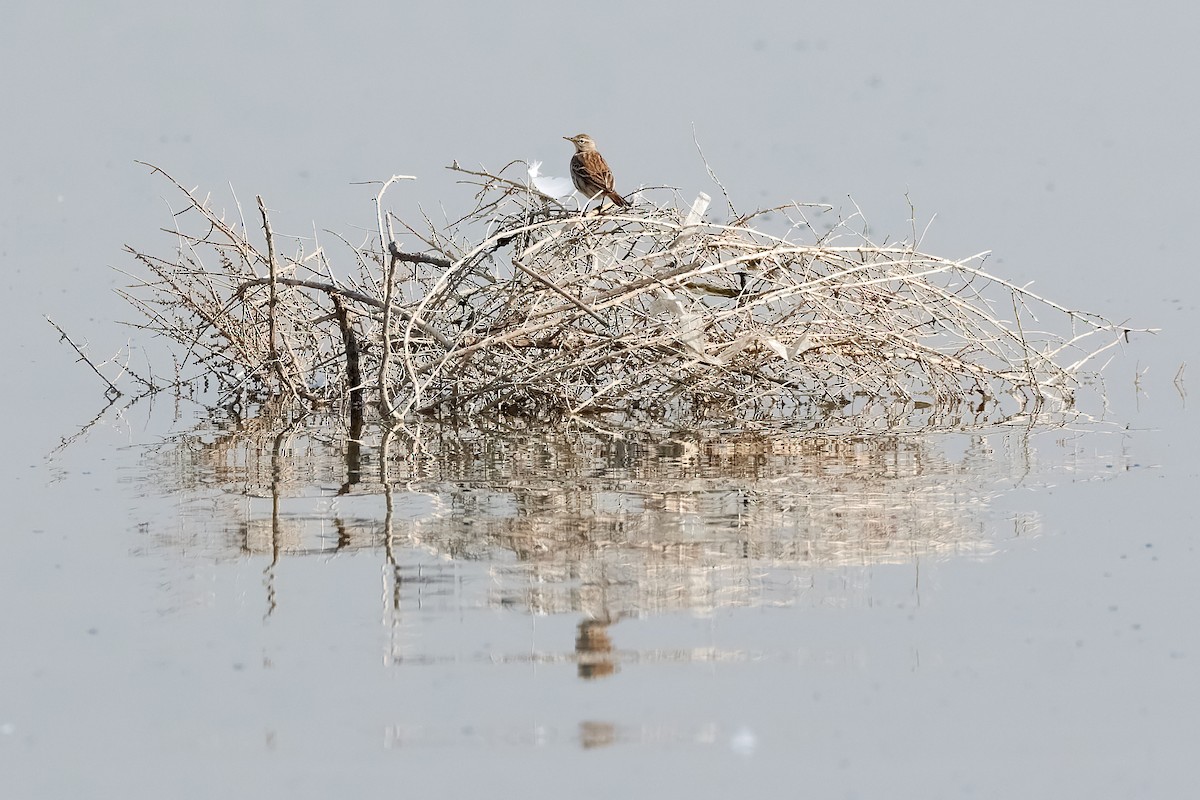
(112, 389)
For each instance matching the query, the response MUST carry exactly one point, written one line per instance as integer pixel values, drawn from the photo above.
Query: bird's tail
(616, 198)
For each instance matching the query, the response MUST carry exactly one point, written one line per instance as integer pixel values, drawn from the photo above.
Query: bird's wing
(594, 168)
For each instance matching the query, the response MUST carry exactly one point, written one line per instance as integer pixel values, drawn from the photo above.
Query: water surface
(198, 607)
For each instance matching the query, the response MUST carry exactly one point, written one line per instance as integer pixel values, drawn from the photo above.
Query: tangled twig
(524, 307)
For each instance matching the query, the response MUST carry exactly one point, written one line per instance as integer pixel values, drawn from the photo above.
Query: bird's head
(582, 142)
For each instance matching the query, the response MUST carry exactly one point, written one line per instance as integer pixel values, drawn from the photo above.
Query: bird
(590, 172)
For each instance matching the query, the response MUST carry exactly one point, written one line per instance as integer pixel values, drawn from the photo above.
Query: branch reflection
(594, 525)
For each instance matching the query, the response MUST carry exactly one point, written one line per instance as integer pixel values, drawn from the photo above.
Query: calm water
(201, 607)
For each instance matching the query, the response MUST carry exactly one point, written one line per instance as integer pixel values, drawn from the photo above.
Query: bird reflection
(596, 734)
(594, 650)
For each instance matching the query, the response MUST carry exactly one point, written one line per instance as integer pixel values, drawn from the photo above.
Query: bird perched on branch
(590, 172)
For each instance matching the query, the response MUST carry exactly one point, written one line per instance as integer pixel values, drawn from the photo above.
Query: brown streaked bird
(590, 172)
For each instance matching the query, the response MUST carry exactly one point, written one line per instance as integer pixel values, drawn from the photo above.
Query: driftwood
(528, 307)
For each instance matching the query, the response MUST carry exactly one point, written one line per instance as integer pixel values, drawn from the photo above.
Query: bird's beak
(568, 138)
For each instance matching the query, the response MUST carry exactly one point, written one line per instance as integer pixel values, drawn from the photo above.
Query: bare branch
(112, 389)
(519, 306)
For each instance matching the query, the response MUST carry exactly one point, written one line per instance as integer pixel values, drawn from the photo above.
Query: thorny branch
(523, 307)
